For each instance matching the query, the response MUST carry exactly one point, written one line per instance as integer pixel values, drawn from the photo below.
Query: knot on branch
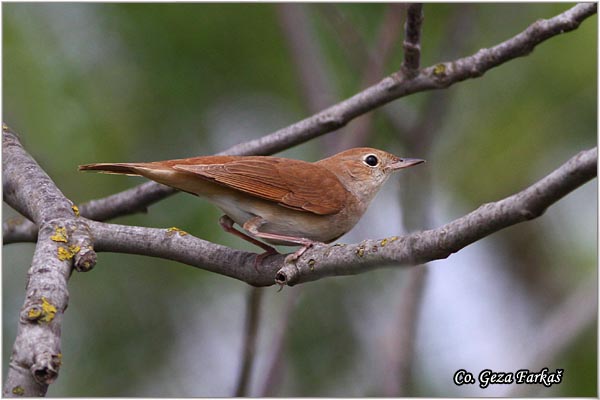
(440, 74)
(331, 121)
(531, 213)
(46, 366)
(40, 311)
(18, 391)
(74, 240)
(288, 275)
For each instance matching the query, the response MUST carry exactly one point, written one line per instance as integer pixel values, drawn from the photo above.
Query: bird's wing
(294, 184)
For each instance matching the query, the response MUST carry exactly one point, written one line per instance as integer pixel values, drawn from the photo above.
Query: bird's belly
(285, 221)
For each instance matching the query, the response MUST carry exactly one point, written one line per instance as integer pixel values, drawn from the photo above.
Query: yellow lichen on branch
(18, 391)
(65, 253)
(45, 313)
(48, 311)
(60, 234)
(172, 230)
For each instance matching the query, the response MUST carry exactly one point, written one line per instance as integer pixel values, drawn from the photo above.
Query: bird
(277, 200)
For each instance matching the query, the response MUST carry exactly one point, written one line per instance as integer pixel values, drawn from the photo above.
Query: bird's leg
(227, 224)
(252, 226)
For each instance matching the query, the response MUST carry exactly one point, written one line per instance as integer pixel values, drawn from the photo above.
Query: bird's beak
(405, 163)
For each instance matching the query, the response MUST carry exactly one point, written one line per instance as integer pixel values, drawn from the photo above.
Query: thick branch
(177, 245)
(63, 241)
(26, 187)
(390, 88)
(341, 259)
(130, 201)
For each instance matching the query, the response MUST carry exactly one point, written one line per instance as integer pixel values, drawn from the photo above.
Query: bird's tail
(108, 168)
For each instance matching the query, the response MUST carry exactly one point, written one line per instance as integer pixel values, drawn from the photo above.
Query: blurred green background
(99, 82)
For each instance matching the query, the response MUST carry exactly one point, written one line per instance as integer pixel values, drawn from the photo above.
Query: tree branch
(177, 245)
(273, 374)
(18, 229)
(400, 358)
(250, 340)
(63, 242)
(412, 40)
(393, 87)
(130, 201)
(438, 76)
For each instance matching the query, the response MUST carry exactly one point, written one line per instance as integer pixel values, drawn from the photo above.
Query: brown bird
(279, 200)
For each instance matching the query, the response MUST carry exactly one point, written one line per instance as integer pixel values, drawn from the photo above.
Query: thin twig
(250, 338)
(412, 39)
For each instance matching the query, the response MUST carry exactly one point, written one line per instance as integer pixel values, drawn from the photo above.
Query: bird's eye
(371, 160)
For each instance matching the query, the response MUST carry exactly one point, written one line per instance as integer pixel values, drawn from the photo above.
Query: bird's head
(364, 170)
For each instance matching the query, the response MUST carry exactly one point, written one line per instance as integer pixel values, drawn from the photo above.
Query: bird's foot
(227, 224)
(260, 257)
(306, 244)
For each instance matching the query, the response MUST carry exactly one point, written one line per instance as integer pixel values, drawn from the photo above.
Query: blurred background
(88, 83)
